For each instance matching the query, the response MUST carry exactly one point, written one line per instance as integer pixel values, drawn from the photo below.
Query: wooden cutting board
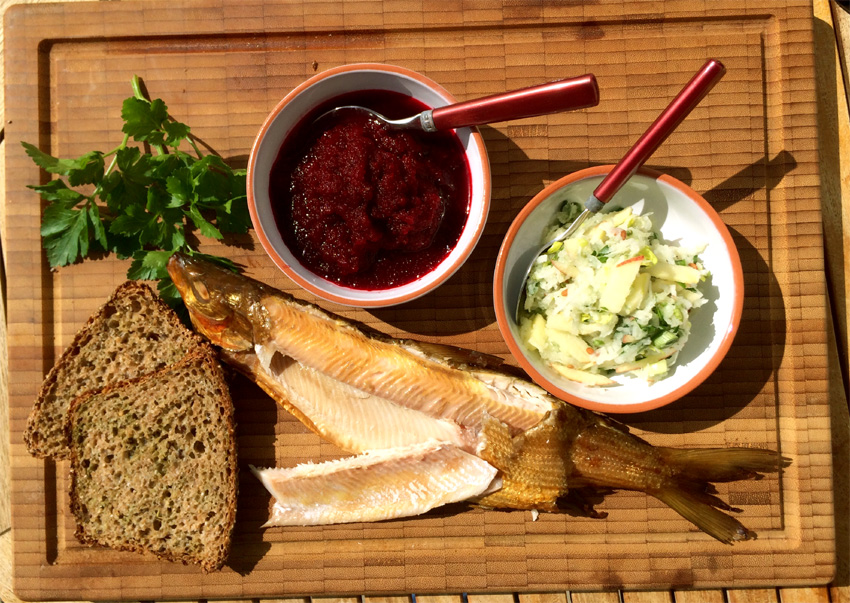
(221, 66)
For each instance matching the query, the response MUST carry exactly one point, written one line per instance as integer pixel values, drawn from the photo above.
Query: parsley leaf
(143, 120)
(68, 239)
(82, 170)
(142, 204)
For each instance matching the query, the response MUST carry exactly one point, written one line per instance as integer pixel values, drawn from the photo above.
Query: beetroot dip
(365, 206)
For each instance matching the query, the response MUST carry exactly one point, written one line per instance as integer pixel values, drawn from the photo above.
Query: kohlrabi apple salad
(611, 299)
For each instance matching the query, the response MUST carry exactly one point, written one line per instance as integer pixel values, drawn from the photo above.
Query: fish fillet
(352, 419)
(393, 372)
(375, 486)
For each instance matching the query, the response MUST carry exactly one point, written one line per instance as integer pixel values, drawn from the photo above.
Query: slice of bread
(153, 463)
(132, 334)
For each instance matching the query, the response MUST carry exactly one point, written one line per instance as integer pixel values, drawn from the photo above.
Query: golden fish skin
(542, 447)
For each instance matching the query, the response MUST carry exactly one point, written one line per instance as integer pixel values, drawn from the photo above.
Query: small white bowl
(678, 214)
(292, 110)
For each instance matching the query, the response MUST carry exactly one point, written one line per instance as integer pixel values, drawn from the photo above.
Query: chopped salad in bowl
(636, 308)
(612, 299)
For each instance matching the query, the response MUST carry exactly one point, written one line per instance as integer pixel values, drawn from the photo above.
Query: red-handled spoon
(562, 95)
(662, 127)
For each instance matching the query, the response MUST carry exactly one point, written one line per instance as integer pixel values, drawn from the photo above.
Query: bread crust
(37, 437)
(209, 358)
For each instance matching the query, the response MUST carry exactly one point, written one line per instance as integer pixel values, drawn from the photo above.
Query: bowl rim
(386, 297)
(688, 386)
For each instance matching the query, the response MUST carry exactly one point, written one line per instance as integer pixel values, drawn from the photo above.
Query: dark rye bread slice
(153, 463)
(132, 334)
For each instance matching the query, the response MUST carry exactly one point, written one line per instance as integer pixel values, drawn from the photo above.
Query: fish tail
(723, 464)
(691, 494)
(694, 507)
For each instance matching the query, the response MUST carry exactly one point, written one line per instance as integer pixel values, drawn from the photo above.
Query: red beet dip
(366, 206)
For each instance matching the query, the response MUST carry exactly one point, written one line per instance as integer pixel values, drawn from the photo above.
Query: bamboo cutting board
(221, 66)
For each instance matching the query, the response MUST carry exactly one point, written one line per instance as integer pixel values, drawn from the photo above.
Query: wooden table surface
(832, 50)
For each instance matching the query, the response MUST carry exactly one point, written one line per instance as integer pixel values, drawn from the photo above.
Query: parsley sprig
(141, 205)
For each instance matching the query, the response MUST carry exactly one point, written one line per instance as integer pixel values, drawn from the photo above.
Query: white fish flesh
(376, 485)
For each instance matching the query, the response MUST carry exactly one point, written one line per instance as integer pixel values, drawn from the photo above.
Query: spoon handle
(679, 108)
(562, 95)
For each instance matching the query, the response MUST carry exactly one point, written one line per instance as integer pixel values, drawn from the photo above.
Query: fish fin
(699, 510)
(495, 444)
(724, 464)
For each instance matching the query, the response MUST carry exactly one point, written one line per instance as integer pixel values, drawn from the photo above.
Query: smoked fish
(424, 417)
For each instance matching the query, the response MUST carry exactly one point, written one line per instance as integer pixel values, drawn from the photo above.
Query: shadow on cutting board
(256, 417)
(749, 372)
(750, 369)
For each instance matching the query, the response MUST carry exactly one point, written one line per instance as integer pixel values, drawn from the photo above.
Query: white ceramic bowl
(299, 103)
(678, 214)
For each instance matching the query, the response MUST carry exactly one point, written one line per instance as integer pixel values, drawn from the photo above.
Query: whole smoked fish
(433, 424)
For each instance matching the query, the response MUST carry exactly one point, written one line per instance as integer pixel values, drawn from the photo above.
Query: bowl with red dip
(356, 212)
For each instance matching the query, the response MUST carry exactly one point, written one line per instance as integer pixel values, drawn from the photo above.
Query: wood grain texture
(595, 597)
(790, 294)
(544, 598)
(648, 596)
(753, 595)
(699, 596)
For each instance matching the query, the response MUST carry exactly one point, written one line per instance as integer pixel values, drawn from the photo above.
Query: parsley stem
(137, 88)
(195, 146)
(114, 153)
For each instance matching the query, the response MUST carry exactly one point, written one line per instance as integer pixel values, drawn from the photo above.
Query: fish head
(222, 304)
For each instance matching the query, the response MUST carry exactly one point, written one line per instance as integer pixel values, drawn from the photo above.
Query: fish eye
(201, 292)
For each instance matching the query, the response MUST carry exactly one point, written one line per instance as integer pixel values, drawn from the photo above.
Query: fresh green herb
(140, 205)
(601, 254)
(665, 339)
(658, 310)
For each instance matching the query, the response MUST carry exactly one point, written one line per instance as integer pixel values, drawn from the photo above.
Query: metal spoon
(679, 108)
(562, 95)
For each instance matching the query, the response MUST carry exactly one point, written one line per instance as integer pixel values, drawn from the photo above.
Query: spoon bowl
(339, 113)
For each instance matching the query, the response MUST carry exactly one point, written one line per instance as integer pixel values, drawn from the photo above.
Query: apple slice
(639, 364)
(537, 332)
(570, 344)
(675, 273)
(620, 279)
(637, 294)
(585, 377)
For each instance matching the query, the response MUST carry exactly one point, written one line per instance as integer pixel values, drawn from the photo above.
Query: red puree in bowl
(366, 206)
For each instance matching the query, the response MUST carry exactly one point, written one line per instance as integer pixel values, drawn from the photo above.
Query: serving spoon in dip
(679, 108)
(561, 95)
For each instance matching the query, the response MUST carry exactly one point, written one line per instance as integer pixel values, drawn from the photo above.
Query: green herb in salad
(141, 205)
